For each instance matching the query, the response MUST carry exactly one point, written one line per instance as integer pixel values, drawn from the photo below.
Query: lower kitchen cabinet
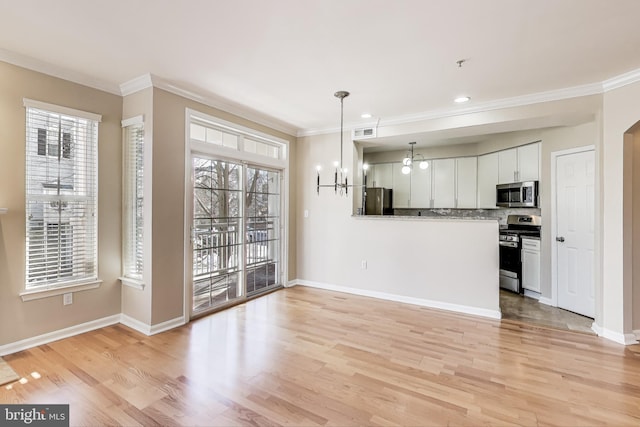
(531, 264)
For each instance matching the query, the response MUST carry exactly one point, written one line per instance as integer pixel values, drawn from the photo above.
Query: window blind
(133, 213)
(61, 198)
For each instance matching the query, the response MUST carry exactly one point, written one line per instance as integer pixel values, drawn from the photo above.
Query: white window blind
(61, 197)
(133, 214)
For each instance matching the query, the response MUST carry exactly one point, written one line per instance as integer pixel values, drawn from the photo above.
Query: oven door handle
(509, 244)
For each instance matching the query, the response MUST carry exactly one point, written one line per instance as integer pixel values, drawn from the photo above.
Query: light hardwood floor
(303, 356)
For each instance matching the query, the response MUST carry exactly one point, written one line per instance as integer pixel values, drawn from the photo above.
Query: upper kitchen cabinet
(444, 183)
(507, 166)
(421, 186)
(519, 164)
(487, 180)
(401, 187)
(380, 175)
(466, 182)
(529, 162)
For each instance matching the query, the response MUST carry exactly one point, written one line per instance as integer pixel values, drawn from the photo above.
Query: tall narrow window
(61, 196)
(133, 206)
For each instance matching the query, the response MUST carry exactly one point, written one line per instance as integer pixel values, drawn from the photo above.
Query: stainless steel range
(510, 247)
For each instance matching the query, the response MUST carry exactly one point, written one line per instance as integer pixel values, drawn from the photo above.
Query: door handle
(560, 239)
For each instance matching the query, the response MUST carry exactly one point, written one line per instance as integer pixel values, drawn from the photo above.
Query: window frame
(135, 279)
(236, 155)
(89, 200)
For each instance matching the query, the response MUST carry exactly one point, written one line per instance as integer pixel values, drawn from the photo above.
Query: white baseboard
(49, 337)
(492, 314)
(291, 283)
(620, 338)
(637, 334)
(58, 335)
(149, 330)
(546, 301)
(169, 324)
(532, 294)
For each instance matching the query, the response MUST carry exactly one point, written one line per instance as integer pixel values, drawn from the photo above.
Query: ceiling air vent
(364, 133)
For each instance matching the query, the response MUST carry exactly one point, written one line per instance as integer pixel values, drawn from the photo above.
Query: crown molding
(499, 104)
(224, 105)
(517, 101)
(136, 85)
(56, 71)
(148, 80)
(621, 80)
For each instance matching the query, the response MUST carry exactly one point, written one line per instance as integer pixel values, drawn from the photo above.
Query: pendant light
(340, 180)
(411, 158)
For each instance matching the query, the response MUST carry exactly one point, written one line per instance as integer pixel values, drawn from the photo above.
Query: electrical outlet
(363, 264)
(67, 298)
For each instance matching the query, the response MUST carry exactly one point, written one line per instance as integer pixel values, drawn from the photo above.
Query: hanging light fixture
(411, 158)
(340, 180)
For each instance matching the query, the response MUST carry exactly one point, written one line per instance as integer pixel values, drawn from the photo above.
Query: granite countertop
(422, 218)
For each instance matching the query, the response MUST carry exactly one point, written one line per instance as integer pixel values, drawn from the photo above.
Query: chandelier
(411, 158)
(340, 180)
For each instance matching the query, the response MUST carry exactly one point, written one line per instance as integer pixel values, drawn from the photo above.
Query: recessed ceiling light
(461, 99)
(366, 116)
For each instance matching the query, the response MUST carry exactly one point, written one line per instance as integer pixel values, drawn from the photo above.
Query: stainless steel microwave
(517, 195)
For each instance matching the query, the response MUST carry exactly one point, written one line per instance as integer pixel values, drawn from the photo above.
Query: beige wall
(557, 139)
(164, 114)
(137, 303)
(636, 229)
(411, 259)
(325, 247)
(21, 320)
(621, 111)
(169, 198)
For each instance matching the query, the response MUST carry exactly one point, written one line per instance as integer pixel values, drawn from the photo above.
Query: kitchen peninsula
(445, 263)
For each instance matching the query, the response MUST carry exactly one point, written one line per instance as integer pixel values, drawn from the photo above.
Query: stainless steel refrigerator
(378, 201)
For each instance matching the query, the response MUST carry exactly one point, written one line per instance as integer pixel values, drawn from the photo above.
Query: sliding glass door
(262, 248)
(236, 232)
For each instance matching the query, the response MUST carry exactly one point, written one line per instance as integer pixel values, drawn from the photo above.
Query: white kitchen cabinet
(444, 183)
(380, 175)
(466, 182)
(487, 180)
(401, 187)
(519, 164)
(531, 264)
(529, 162)
(421, 186)
(507, 166)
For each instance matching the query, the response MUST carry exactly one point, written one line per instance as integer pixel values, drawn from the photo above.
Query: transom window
(218, 133)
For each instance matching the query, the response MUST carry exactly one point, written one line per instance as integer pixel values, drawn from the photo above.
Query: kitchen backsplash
(499, 214)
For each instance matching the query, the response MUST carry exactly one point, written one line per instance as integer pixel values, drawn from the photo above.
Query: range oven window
(510, 258)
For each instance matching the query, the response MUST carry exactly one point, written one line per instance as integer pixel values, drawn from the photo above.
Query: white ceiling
(286, 58)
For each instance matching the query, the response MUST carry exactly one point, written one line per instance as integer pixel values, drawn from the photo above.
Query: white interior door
(575, 237)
